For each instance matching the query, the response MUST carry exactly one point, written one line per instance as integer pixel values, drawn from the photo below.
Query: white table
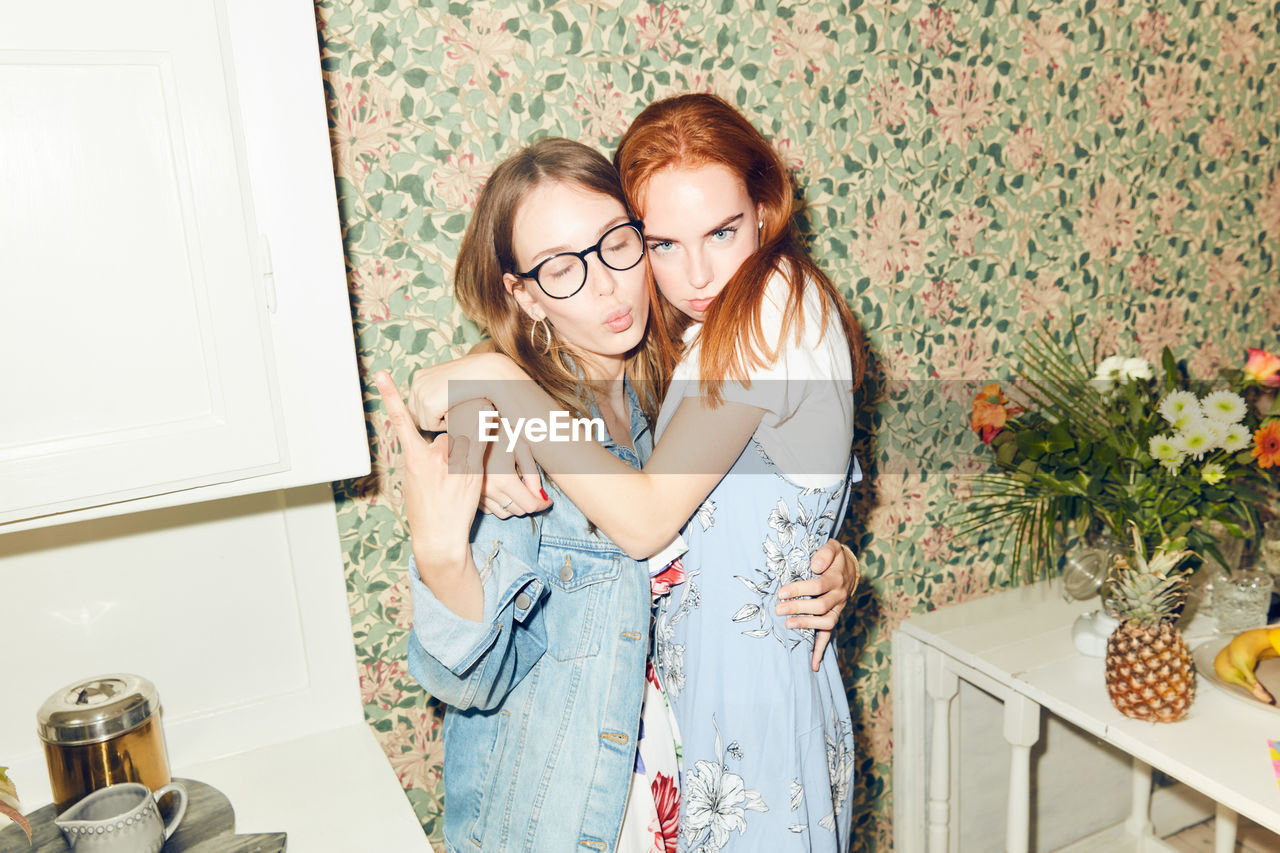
(1016, 645)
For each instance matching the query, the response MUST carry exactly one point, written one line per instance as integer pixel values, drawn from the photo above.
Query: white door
(135, 350)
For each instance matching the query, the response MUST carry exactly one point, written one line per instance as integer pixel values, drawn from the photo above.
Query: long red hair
(695, 130)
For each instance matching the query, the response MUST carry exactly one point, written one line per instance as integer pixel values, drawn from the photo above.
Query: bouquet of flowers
(1115, 447)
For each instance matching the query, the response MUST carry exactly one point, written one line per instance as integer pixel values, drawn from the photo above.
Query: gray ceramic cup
(121, 819)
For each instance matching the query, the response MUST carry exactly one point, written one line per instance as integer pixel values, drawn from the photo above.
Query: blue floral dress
(767, 744)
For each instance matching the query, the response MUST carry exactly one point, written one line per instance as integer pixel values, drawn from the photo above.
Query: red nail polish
(543, 492)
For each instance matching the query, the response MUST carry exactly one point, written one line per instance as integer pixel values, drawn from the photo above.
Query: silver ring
(507, 504)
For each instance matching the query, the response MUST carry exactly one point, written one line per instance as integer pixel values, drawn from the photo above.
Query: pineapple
(1150, 675)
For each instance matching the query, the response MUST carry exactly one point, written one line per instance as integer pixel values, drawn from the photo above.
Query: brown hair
(696, 130)
(486, 253)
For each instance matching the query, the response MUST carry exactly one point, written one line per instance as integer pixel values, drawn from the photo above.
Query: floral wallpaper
(973, 169)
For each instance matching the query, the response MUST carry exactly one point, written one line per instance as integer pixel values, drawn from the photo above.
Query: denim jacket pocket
(579, 578)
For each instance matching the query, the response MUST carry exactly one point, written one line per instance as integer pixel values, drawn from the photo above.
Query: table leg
(1138, 823)
(1224, 830)
(942, 685)
(910, 746)
(1021, 730)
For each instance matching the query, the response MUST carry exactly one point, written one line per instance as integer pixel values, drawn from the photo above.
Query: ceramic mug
(121, 818)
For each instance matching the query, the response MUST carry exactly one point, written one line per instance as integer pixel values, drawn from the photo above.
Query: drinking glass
(1241, 600)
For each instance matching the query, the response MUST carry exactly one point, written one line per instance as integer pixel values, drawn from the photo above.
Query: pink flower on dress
(661, 583)
(935, 30)
(651, 674)
(658, 30)
(666, 796)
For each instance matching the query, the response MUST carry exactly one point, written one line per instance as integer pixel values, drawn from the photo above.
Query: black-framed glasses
(561, 276)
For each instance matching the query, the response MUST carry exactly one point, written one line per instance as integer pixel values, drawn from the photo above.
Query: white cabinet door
(138, 356)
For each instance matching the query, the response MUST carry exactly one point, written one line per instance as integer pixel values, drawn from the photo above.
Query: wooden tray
(207, 827)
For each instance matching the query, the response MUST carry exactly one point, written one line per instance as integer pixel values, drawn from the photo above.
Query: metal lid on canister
(97, 709)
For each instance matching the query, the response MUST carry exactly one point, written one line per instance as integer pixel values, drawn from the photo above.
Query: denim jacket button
(523, 601)
(566, 573)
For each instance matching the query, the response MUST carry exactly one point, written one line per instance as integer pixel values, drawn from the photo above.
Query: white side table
(1016, 645)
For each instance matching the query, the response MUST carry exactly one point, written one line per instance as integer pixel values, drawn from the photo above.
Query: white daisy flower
(1213, 473)
(1198, 438)
(1165, 450)
(1236, 437)
(1178, 404)
(1135, 368)
(1225, 407)
(1109, 373)
(1110, 367)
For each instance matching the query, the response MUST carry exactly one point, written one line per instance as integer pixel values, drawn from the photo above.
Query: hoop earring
(546, 328)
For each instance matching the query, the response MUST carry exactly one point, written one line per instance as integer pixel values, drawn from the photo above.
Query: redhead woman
(535, 631)
(753, 461)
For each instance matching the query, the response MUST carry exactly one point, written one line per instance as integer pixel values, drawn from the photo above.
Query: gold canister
(101, 731)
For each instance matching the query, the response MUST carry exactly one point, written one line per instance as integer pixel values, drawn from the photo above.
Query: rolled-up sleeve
(471, 664)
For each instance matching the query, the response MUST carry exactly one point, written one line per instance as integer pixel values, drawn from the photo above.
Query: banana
(1238, 659)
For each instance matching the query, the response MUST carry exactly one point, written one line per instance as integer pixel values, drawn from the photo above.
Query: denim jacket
(544, 692)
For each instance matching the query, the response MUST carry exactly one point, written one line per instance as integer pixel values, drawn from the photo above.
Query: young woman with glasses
(535, 631)
(753, 461)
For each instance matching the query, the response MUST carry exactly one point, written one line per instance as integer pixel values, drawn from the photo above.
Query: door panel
(135, 344)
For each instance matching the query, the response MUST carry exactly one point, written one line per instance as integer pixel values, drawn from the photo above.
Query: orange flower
(1266, 444)
(1263, 367)
(989, 412)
